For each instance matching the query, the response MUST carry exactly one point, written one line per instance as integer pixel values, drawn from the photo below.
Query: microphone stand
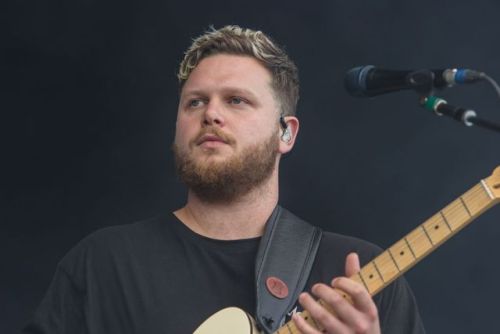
(423, 83)
(466, 116)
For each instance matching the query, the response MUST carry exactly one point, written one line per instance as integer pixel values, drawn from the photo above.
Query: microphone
(367, 81)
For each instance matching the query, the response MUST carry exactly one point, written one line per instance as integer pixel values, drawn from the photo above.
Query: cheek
(183, 131)
(256, 135)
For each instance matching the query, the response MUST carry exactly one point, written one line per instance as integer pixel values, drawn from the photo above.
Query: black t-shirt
(158, 276)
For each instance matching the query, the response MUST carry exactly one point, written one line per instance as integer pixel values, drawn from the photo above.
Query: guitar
(389, 265)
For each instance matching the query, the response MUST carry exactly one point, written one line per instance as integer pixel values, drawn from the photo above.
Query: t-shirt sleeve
(62, 308)
(398, 309)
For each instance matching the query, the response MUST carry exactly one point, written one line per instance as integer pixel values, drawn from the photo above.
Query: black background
(88, 107)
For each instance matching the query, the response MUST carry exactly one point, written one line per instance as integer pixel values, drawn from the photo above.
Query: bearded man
(235, 119)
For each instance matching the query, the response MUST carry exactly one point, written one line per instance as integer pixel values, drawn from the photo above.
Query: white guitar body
(231, 320)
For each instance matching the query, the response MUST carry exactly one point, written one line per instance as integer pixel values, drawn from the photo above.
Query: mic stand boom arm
(466, 116)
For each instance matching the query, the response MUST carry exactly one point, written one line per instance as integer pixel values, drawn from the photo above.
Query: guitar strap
(284, 259)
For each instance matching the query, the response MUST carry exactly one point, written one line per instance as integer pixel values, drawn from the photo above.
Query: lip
(210, 138)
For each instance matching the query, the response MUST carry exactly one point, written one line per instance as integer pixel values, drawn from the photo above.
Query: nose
(213, 113)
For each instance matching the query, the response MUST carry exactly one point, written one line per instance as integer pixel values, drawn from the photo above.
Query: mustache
(213, 131)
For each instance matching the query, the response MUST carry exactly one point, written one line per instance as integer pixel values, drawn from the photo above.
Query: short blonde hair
(246, 42)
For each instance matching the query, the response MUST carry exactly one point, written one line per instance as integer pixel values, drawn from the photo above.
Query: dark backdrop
(88, 106)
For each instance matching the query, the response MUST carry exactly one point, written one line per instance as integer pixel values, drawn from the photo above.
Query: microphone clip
(422, 81)
(465, 116)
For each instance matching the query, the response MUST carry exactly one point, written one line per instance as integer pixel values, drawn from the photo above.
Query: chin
(211, 153)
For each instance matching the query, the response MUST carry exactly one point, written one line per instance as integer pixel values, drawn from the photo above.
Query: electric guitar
(389, 265)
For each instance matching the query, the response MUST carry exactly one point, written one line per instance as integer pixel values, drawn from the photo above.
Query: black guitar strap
(284, 260)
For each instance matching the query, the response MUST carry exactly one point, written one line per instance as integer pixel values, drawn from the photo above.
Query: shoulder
(332, 252)
(334, 243)
(122, 235)
(115, 245)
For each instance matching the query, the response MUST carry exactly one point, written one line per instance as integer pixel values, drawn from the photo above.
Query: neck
(242, 218)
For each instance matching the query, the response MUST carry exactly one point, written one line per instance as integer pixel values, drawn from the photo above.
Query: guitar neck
(424, 239)
(417, 244)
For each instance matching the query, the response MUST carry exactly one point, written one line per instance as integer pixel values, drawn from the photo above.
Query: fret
(437, 229)
(427, 234)
(360, 274)
(476, 199)
(402, 254)
(372, 279)
(421, 245)
(387, 266)
(378, 271)
(409, 247)
(394, 260)
(465, 206)
(456, 214)
(445, 220)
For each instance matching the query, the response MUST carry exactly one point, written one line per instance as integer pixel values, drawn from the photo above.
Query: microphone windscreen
(355, 80)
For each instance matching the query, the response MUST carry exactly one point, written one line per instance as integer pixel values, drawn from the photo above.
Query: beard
(225, 181)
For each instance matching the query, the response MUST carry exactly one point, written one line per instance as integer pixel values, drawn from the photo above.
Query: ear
(292, 124)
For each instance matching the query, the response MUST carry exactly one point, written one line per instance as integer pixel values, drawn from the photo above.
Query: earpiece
(287, 135)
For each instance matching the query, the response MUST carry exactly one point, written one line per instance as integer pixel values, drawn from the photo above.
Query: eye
(194, 103)
(236, 100)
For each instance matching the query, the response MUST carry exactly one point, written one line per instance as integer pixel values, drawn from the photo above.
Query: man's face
(226, 138)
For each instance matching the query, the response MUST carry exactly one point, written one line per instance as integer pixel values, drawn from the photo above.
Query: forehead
(222, 71)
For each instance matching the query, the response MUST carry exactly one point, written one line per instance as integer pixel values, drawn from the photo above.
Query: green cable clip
(432, 103)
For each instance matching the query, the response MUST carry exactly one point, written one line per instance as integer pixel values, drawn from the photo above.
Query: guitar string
(453, 208)
(419, 235)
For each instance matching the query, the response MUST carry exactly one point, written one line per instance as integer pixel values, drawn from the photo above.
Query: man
(235, 119)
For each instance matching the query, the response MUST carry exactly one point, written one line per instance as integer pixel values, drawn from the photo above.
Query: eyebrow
(226, 90)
